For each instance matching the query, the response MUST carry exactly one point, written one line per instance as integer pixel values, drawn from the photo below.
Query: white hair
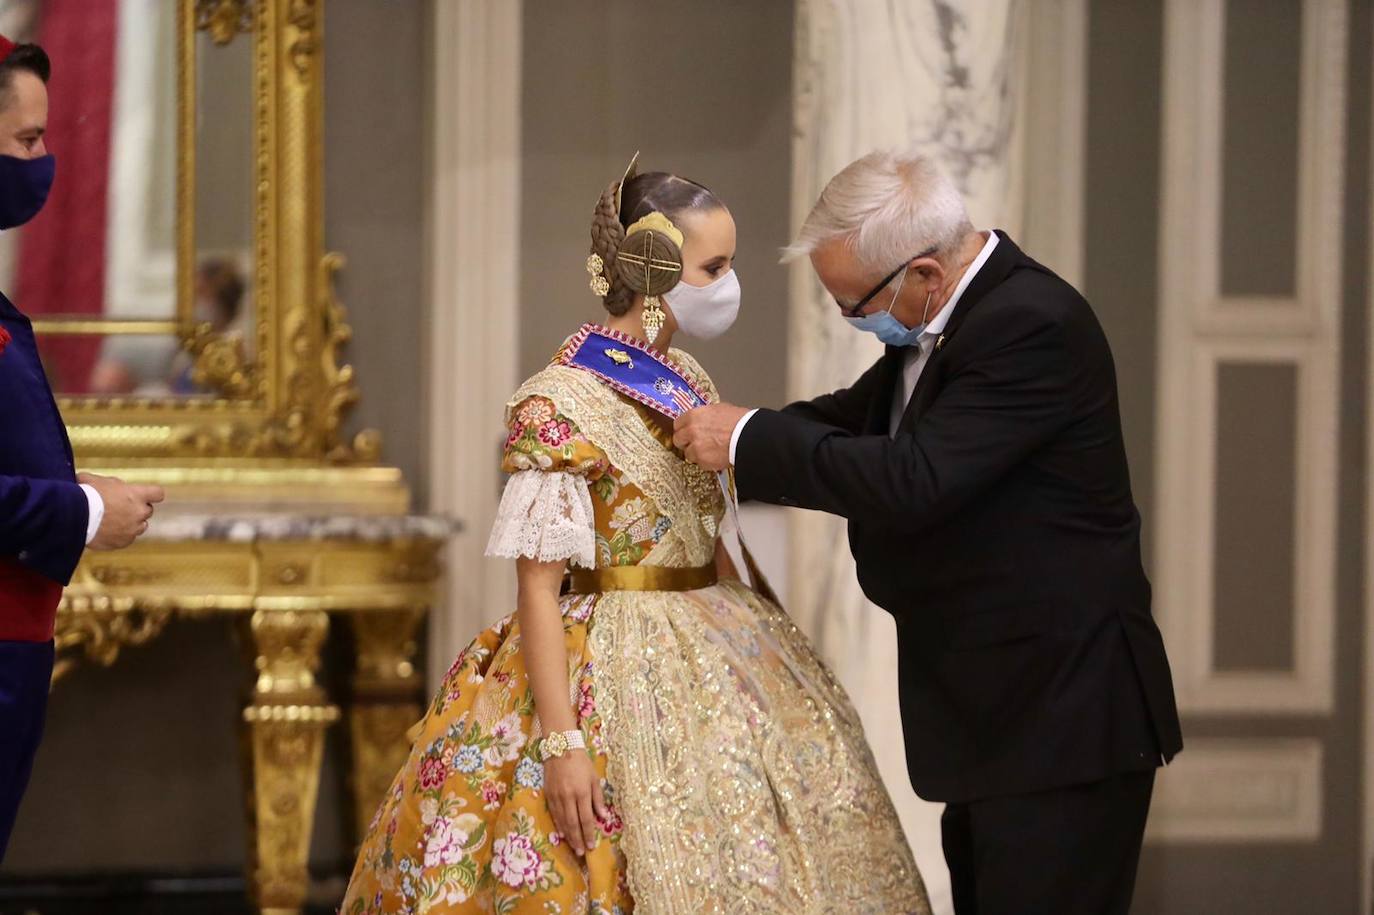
(889, 207)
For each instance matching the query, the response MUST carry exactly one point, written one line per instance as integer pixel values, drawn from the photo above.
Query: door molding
(1201, 329)
(1367, 843)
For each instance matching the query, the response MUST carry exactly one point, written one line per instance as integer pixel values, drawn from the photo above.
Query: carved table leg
(284, 744)
(387, 701)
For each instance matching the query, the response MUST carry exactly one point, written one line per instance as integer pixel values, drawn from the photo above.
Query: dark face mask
(24, 186)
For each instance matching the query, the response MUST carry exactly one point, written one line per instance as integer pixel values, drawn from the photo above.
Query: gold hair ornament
(653, 318)
(657, 222)
(630, 171)
(647, 228)
(597, 268)
(645, 260)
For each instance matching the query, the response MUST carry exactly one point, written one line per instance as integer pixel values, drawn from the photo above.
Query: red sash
(28, 603)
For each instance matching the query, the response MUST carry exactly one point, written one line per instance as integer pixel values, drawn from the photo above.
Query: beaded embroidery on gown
(736, 769)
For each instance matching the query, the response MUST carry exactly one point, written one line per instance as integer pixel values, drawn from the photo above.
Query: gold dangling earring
(653, 317)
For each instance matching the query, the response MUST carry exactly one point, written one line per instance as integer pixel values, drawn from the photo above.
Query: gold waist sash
(641, 578)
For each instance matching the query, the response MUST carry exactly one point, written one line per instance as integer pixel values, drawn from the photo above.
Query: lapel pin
(939, 342)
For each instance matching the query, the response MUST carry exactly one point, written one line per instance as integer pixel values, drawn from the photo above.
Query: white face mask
(705, 312)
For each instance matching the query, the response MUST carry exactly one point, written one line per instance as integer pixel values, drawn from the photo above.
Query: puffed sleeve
(546, 511)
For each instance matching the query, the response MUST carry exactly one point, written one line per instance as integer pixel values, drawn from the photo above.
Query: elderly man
(47, 516)
(981, 466)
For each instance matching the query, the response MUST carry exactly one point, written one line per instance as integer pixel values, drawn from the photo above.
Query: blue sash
(630, 367)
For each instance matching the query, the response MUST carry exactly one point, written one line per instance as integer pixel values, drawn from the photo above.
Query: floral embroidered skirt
(734, 765)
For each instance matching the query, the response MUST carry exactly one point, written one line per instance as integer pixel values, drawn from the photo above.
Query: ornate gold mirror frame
(284, 404)
(270, 516)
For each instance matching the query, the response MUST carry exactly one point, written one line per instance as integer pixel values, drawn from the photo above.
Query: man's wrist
(739, 429)
(96, 514)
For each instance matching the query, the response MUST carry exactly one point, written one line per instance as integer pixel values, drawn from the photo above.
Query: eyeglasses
(853, 311)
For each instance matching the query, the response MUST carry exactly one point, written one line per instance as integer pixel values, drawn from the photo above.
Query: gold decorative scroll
(224, 19)
(284, 393)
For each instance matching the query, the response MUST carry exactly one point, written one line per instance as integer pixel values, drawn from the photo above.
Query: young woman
(646, 733)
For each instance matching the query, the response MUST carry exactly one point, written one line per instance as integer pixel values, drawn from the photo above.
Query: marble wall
(937, 77)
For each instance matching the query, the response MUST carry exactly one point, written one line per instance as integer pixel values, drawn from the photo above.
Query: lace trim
(740, 766)
(545, 516)
(616, 428)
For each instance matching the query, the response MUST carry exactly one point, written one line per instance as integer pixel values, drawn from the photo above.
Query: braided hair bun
(620, 206)
(607, 235)
(649, 260)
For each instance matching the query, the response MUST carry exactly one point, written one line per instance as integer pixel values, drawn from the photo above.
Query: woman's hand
(572, 790)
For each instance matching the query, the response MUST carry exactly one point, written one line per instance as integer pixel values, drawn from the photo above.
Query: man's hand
(704, 434)
(128, 506)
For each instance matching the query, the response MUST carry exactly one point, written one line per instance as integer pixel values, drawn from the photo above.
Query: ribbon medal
(630, 367)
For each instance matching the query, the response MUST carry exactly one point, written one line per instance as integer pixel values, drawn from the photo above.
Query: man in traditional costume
(48, 515)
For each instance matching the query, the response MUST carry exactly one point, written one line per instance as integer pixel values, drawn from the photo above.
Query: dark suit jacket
(998, 528)
(43, 511)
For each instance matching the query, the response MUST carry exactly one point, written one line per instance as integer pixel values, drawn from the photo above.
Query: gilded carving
(291, 573)
(116, 576)
(283, 789)
(288, 395)
(288, 652)
(302, 15)
(285, 734)
(101, 627)
(386, 652)
(419, 571)
(224, 19)
(272, 426)
(380, 748)
(221, 364)
(387, 694)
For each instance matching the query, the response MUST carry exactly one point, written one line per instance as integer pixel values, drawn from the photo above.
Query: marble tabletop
(255, 528)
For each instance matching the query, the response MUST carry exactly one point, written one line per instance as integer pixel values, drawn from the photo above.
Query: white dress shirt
(97, 512)
(916, 356)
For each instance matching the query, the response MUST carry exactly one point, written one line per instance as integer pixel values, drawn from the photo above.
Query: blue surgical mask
(24, 186)
(887, 328)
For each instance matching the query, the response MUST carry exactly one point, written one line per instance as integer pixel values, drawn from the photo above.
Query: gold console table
(274, 514)
(282, 576)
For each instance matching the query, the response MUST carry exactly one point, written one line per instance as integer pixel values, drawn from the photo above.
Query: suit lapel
(27, 341)
(926, 387)
(994, 271)
(7, 309)
(880, 407)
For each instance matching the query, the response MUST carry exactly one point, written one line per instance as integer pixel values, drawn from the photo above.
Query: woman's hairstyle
(222, 286)
(643, 194)
(889, 207)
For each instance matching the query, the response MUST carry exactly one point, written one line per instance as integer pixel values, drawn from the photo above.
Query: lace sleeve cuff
(545, 516)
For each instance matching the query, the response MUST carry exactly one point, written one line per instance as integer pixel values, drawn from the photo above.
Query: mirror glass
(97, 269)
(221, 290)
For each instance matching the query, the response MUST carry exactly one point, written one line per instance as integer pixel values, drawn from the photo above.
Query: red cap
(6, 48)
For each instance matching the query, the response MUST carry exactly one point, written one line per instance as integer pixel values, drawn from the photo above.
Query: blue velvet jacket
(43, 512)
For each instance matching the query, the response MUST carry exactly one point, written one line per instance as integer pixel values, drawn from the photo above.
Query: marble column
(473, 345)
(940, 76)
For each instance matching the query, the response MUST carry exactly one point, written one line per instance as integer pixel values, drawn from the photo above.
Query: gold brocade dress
(736, 768)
